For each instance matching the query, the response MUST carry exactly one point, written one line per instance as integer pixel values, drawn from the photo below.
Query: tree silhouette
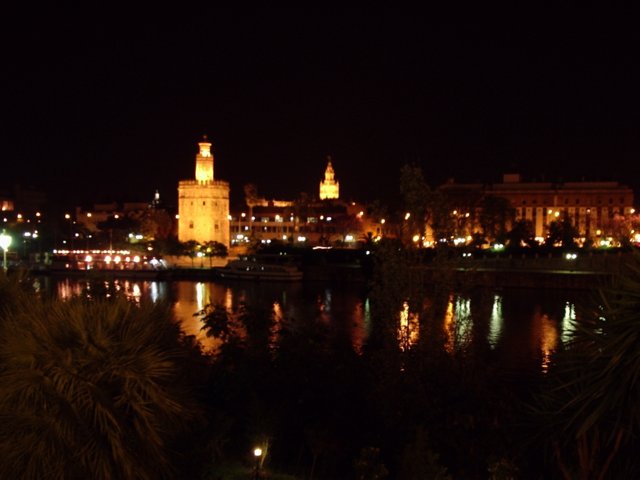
(496, 214)
(521, 234)
(91, 389)
(562, 232)
(415, 194)
(214, 249)
(190, 248)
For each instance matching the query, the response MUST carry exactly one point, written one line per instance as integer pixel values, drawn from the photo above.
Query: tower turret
(204, 162)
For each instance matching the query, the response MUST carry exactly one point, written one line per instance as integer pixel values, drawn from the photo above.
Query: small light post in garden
(5, 241)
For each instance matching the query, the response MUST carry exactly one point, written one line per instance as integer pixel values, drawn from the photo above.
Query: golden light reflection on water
(514, 326)
(549, 333)
(275, 327)
(449, 326)
(409, 328)
(68, 289)
(200, 296)
(458, 323)
(361, 325)
(548, 340)
(192, 298)
(228, 299)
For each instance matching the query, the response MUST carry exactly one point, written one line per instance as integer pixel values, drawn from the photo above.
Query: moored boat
(253, 269)
(108, 263)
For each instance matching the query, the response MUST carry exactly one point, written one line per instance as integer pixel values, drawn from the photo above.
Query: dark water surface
(520, 326)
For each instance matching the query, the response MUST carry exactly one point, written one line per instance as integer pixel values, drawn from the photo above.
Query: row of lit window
(577, 201)
(281, 219)
(556, 213)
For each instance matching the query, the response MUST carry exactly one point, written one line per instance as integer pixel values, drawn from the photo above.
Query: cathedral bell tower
(329, 188)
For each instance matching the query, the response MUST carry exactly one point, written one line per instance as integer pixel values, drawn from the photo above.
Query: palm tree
(91, 389)
(591, 404)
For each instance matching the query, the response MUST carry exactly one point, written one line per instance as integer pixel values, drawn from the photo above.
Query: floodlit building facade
(594, 208)
(597, 210)
(315, 223)
(203, 203)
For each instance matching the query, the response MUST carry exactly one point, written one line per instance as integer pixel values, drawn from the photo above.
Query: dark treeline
(105, 388)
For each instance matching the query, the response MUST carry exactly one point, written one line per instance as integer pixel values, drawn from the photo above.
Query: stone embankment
(582, 271)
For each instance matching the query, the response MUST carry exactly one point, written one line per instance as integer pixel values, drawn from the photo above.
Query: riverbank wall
(580, 271)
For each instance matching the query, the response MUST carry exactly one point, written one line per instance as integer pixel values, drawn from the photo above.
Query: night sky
(110, 104)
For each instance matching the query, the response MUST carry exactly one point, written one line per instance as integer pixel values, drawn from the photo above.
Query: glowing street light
(257, 453)
(240, 220)
(67, 216)
(5, 241)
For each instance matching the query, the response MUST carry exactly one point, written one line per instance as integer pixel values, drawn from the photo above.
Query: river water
(521, 326)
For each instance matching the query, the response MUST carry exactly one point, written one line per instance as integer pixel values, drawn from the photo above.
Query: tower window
(190, 224)
(204, 203)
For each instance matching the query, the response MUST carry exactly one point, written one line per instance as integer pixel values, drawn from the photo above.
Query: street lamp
(68, 217)
(5, 241)
(257, 453)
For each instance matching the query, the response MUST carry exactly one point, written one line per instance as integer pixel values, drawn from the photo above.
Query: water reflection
(548, 340)
(516, 325)
(133, 290)
(568, 322)
(188, 299)
(360, 325)
(276, 326)
(458, 323)
(496, 321)
(409, 328)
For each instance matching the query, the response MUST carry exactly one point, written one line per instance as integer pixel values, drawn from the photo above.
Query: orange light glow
(408, 329)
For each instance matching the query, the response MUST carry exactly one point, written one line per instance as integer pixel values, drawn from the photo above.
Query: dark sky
(109, 104)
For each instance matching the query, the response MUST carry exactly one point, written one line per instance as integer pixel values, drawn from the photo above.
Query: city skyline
(113, 108)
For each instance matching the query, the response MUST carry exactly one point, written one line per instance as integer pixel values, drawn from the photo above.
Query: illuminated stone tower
(329, 188)
(203, 203)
